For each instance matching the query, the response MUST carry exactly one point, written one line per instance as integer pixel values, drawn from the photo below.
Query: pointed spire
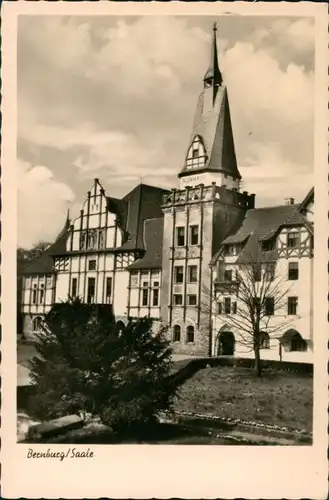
(213, 76)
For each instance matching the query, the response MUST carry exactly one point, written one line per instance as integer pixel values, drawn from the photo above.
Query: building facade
(165, 254)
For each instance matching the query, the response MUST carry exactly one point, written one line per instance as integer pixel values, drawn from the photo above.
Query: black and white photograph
(166, 243)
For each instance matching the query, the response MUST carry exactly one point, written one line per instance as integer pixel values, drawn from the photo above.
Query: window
(293, 271)
(37, 324)
(91, 265)
(228, 275)
(268, 245)
(194, 235)
(180, 236)
(176, 333)
(227, 305)
(256, 304)
(190, 334)
(269, 306)
(179, 274)
(145, 294)
(269, 272)
(108, 290)
(91, 291)
(292, 240)
(155, 297)
(34, 294)
(178, 299)
(219, 308)
(74, 287)
(230, 250)
(192, 274)
(195, 153)
(234, 308)
(191, 300)
(298, 343)
(292, 305)
(264, 340)
(257, 272)
(41, 293)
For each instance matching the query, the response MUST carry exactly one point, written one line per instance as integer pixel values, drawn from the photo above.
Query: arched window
(37, 324)
(196, 156)
(264, 340)
(176, 333)
(190, 334)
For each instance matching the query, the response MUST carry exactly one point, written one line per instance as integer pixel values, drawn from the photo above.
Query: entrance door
(226, 344)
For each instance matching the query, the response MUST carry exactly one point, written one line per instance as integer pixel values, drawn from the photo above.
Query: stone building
(158, 253)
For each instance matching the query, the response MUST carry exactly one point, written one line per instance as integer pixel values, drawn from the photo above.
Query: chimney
(289, 201)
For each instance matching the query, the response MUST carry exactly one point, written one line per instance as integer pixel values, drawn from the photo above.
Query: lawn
(277, 398)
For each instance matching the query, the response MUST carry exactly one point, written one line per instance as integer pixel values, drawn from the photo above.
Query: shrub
(85, 365)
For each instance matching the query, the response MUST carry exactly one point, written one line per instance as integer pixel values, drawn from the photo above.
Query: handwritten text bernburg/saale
(61, 455)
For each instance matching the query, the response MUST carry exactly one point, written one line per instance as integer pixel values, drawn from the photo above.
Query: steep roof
(142, 203)
(215, 128)
(44, 263)
(153, 238)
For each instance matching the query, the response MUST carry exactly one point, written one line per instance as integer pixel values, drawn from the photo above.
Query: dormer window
(230, 250)
(196, 156)
(268, 245)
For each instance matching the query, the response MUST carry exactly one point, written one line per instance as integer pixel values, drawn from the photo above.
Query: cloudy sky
(114, 98)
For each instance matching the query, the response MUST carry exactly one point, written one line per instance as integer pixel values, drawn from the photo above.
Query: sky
(114, 97)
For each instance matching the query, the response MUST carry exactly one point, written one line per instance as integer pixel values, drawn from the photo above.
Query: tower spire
(213, 77)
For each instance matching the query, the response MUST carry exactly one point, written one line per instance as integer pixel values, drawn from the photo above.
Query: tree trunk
(258, 369)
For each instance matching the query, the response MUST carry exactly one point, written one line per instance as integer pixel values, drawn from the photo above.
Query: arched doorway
(119, 328)
(293, 341)
(37, 324)
(226, 343)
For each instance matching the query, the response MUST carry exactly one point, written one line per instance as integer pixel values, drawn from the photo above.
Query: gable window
(292, 305)
(108, 291)
(269, 274)
(191, 300)
(228, 275)
(196, 156)
(292, 240)
(74, 287)
(194, 235)
(178, 299)
(41, 293)
(293, 271)
(145, 294)
(227, 305)
(269, 306)
(192, 274)
(264, 340)
(91, 265)
(179, 274)
(180, 236)
(190, 334)
(176, 333)
(34, 294)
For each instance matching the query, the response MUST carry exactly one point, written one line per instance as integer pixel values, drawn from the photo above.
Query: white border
(163, 471)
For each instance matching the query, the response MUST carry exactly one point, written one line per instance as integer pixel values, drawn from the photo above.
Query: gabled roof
(153, 239)
(309, 198)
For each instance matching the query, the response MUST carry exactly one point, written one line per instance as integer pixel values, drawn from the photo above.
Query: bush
(85, 365)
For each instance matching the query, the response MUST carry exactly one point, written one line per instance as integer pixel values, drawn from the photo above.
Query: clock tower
(199, 215)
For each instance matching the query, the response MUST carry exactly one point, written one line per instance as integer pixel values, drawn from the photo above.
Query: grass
(277, 398)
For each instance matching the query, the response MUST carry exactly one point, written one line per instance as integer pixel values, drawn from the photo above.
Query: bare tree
(259, 292)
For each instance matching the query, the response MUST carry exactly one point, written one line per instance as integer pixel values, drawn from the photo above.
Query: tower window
(193, 274)
(180, 236)
(269, 306)
(190, 334)
(179, 274)
(176, 333)
(194, 235)
(227, 305)
(196, 156)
